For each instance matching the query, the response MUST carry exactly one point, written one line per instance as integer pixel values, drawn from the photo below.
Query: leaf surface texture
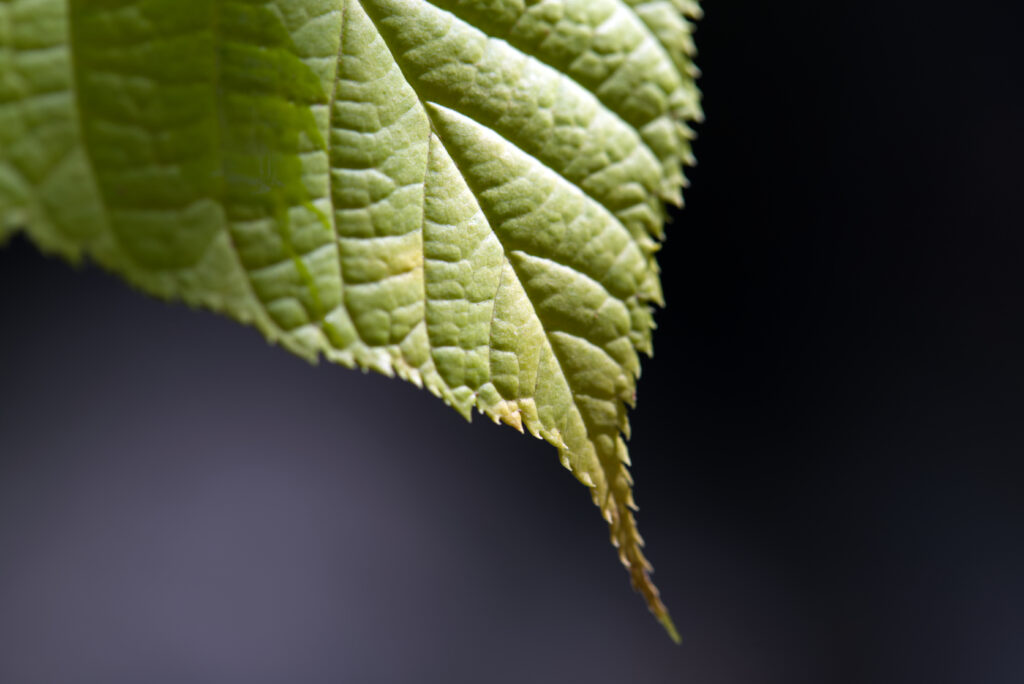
(468, 194)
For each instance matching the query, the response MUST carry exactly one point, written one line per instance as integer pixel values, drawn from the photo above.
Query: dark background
(827, 447)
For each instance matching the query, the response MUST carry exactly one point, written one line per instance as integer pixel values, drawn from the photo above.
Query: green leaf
(466, 193)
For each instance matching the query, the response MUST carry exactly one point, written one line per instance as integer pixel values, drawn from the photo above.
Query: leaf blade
(466, 194)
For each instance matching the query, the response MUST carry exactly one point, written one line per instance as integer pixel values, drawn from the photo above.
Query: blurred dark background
(827, 447)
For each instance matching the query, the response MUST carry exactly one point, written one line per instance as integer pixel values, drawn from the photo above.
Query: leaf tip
(667, 623)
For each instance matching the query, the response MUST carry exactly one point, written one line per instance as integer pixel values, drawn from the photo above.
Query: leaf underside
(464, 193)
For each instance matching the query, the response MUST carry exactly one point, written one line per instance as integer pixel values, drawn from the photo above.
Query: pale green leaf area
(468, 194)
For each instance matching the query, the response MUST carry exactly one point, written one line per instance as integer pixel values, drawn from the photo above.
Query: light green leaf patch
(466, 193)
